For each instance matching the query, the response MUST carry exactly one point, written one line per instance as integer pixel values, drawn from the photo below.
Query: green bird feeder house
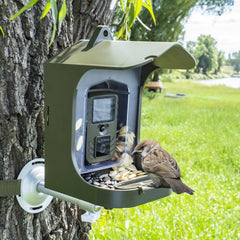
(93, 93)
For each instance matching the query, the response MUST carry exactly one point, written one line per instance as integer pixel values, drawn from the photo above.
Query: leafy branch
(58, 17)
(131, 10)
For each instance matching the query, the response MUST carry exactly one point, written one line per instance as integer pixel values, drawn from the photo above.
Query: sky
(225, 29)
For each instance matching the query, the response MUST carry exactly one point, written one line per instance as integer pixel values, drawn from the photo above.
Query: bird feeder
(93, 93)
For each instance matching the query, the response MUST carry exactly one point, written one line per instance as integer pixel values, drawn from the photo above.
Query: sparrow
(160, 166)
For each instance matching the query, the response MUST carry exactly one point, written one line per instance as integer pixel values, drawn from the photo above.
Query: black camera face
(101, 127)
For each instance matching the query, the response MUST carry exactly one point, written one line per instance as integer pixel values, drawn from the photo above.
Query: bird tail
(178, 186)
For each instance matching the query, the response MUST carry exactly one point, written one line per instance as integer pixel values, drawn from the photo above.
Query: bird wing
(160, 162)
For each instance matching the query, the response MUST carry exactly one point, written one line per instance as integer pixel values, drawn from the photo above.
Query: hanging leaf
(54, 11)
(138, 7)
(53, 34)
(62, 13)
(121, 32)
(131, 15)
(30, 4)
(123, 4)
(55, 18)
(2, 31)
(46, 9)
(131, 10)
(148, 5)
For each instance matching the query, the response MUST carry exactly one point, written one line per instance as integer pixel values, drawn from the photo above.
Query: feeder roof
(113, 54)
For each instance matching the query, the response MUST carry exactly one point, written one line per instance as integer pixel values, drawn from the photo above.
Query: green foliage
(58, 17)
(130, 10)
(189, 75)
(171, 77)
(220, 61)
(62, 13)
(170, 14)
(201, 131)
(206, 54)
(54, 16)
(29, 5)
(197, 76)
(170, 17)
(149, 94)
(1, 30)
(46, 9)
(234, 60)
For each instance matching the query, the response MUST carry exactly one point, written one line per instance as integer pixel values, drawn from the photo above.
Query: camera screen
(103, 109)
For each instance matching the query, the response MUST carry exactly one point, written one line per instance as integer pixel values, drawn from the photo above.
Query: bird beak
(134, 151)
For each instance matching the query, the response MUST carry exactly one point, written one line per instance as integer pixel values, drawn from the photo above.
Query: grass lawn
(202, 132)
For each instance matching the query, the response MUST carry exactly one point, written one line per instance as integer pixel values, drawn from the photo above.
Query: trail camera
(102, 112)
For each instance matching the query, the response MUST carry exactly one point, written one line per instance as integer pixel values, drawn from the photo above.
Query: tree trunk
(23, 51)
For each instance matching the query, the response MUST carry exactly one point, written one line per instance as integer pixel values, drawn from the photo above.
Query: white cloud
(225, 29)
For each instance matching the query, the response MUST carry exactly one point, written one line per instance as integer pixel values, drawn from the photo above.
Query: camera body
(102, 111)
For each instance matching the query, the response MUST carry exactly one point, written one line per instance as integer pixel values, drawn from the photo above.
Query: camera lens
(102, 128)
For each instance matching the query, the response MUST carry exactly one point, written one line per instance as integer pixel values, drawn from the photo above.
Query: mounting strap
(10, 187)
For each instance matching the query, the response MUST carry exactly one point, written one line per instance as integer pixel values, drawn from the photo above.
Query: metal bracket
(101, 33)
(30, 199)
(34, 197)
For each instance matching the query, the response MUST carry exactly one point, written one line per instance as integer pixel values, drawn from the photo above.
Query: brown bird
(161, 166)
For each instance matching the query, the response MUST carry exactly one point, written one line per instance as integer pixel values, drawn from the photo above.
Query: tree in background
(206, 54)
(169, 24)
(220, 61)
(234, 60)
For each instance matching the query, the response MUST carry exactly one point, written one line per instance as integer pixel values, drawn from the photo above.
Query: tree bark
(23, 51)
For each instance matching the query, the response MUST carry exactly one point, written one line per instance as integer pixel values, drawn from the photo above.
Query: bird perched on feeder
(161, 166)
